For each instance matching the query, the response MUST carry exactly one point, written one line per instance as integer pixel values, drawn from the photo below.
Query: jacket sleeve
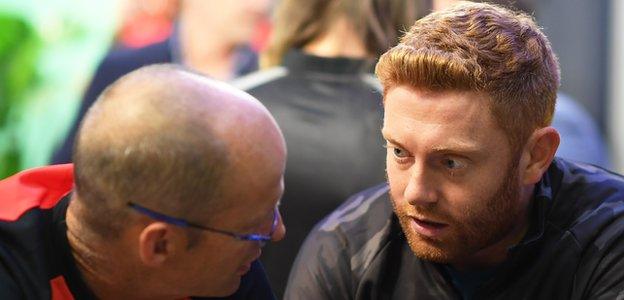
(606, 279)
(8, 287)
(322, 268)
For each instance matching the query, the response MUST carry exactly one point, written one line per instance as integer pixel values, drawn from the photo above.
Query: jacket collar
(296, 60)
(540, 206)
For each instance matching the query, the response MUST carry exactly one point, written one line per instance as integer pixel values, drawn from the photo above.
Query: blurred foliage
(19, 49)
(48, 52)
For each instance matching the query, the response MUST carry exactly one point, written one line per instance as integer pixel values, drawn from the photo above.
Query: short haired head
(379, 23)
(484, 48)
(141, 141)
(182, 145)
(158, 136)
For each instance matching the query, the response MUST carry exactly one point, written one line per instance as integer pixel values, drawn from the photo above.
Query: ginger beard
(481, 224)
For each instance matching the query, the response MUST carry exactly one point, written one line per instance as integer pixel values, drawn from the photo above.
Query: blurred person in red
(211, 37)
(146, 22)
(318, 83)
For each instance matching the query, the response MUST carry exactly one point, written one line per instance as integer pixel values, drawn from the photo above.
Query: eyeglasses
(184, 223)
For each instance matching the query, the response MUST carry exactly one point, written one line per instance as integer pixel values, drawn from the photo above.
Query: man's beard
(481, 225)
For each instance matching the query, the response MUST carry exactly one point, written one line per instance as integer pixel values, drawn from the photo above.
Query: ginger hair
(483, 48)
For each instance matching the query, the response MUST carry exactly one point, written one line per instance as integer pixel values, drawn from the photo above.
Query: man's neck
(101, 274)
(498, 252)
(340, 40)
(494, 254)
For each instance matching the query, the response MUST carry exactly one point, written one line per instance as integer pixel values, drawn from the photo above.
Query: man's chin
(227, 289)
(428, 252)
(434, 250)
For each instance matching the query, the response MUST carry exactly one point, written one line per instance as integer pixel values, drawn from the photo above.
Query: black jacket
(330, 111)
(574, 248)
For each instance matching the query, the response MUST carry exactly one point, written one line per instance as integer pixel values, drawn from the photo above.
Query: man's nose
(280, 230)
(421, 187)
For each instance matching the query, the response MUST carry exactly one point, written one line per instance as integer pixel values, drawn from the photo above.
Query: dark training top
(573, 249)
(330, 111)
(35, 258)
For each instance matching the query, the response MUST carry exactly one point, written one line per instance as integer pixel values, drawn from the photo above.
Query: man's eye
(452, 164)
(400, 153)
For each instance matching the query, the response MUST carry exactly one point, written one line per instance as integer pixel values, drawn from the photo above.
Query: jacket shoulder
(338, 251)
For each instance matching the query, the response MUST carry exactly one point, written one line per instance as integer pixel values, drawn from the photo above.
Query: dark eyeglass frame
(184, 223)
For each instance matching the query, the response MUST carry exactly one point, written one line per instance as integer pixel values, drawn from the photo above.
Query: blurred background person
(318, 83)
(146, 22)
(211, 37)
(581, 138)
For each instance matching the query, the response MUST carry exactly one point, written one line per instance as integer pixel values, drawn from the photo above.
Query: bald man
(174, 191)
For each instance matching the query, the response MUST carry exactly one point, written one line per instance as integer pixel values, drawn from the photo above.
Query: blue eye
(398, 152)
(452, 164)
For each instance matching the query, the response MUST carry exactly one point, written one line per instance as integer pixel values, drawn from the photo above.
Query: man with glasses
(174, 191)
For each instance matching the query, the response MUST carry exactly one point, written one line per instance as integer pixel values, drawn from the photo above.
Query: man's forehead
(448, 108)
(449, 119)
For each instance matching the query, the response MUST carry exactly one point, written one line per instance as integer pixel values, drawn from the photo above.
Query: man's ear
(156, 244)
(538, 153)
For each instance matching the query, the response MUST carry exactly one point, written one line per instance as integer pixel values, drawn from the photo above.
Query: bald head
(171, 140)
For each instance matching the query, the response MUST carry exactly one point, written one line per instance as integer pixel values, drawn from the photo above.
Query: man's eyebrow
(257, 220)
(392, 141)
(459, 147)
(452, 146)
(261, 217)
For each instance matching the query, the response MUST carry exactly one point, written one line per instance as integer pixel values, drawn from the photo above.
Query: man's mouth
(427, 227)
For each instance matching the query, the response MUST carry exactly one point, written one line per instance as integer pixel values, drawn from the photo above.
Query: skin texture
(460, 192)
(152, 259)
